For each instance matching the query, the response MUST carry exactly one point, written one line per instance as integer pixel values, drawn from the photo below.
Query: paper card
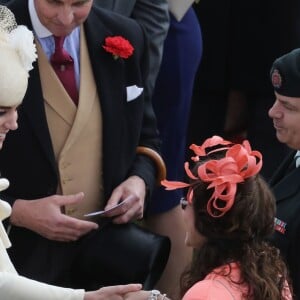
(178, 8)
(103, 212)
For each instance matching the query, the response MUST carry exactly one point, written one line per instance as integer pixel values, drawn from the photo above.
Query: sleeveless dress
(172, 100)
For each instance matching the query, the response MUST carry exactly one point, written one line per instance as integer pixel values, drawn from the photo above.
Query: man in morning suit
(285, 77)
(71, 157)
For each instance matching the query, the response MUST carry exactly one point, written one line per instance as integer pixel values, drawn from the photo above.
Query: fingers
(122, 207)
(68, 234)
(132, 287)
(79, 225)
(122, 289)
(70, 199)
(71, 229)
(134, 186)
(116, 292)
(132, 209)
(114, 199)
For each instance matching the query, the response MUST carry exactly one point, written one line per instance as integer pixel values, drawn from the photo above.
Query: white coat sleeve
(16, 287)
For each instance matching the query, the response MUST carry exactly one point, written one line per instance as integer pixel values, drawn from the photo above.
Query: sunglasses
(183, 202)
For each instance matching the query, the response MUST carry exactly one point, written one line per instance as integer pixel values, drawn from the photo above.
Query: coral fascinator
(222, 175)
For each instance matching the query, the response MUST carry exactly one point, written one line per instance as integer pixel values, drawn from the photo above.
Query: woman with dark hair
(229, 212)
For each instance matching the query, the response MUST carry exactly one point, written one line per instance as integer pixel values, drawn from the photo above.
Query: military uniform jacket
(286, 188)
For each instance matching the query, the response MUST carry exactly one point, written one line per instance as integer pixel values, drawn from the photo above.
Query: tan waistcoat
(76, 133)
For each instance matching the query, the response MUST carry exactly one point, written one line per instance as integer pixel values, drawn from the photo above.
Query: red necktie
(63, 65)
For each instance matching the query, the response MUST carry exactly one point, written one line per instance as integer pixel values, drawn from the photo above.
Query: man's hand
(44, 216)
(133, 208)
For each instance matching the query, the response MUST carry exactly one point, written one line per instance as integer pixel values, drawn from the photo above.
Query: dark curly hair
(239, 236)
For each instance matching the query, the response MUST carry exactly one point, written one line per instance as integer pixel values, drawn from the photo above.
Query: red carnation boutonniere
(118, 47)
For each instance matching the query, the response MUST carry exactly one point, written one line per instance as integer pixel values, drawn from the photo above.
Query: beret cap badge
(276, 79)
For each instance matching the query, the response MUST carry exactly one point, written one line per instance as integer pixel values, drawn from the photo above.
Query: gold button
(66, 180)
(64, 165)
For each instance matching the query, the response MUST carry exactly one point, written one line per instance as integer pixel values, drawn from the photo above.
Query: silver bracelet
(154, 295)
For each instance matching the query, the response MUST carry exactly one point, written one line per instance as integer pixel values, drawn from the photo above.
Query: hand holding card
(103, 213)
(110, 211)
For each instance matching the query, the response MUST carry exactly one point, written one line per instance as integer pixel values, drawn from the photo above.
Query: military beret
(285, 74)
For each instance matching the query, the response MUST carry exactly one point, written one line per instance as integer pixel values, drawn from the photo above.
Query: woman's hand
(116, 292)
(139, 295)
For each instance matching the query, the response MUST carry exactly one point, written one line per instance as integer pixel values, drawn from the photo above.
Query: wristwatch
(154, 295)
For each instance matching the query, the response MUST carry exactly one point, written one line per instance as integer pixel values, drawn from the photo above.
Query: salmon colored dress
(215, 286)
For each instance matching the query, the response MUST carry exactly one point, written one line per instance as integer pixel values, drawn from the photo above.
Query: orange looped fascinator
(223, 174)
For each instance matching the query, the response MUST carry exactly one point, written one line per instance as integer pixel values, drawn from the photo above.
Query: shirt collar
(40, 30)
(297, 158)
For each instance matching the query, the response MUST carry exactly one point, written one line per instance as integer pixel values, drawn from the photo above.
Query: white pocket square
(133, 92)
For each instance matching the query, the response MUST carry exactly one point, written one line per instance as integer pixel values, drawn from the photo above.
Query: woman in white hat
(17, 53)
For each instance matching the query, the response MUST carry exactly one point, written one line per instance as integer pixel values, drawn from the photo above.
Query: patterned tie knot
(61, 59)
(63, 65)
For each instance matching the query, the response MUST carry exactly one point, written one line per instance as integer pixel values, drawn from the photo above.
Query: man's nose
(66, 16)
(274, 112)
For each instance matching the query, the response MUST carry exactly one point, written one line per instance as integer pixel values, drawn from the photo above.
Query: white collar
(297, 158)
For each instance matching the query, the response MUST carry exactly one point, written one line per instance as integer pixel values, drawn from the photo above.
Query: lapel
(110, 82)
(33, 103)
(53, 91)
(288, 186)
(281, 170)
(87, 96)
(285, 185)
(34, 109)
